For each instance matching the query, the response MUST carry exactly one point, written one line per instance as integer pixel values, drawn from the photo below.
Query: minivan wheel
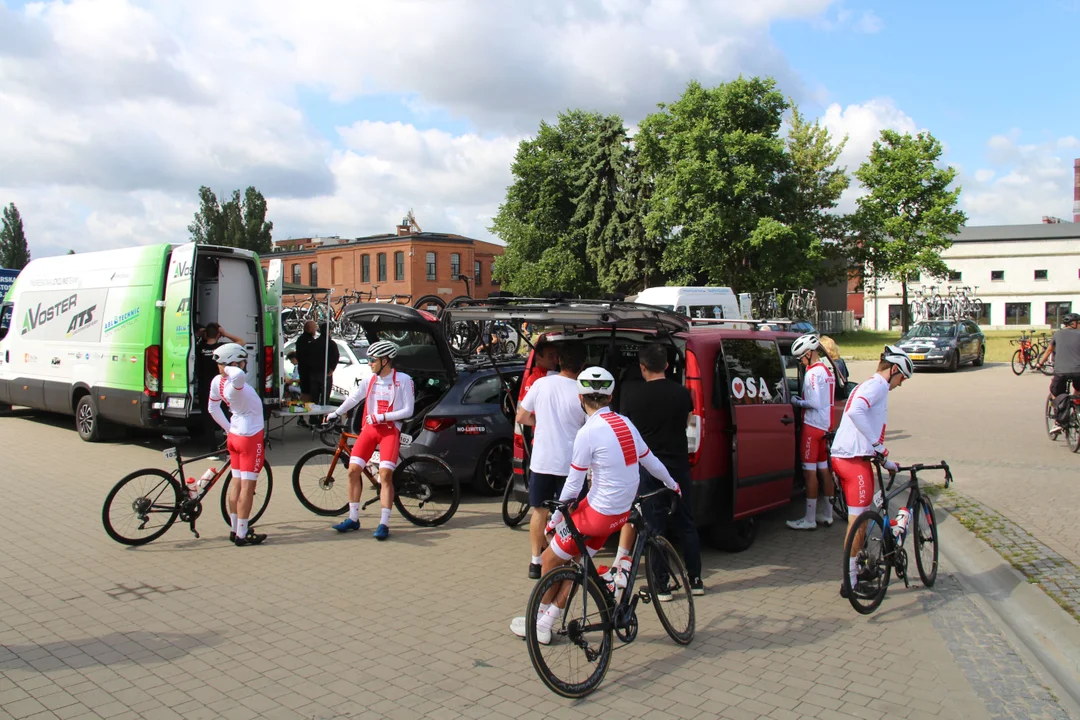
(495, 469)
(734, 537)
(87, 422)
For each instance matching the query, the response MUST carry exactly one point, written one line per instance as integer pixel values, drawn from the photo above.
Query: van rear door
(178, 357)
(764, 444)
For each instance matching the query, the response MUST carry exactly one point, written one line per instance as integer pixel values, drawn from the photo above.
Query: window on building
(478, 273)
(955, 276)
(335, 271)
(915, 277)
(895, 318)
(1041, 274)
(296, 274)
(1017, 313)
(313, 274)
(382, 267)
(997, 275)
(430, 258)
(494, 280)
(1055, 311)
(984, 314)
(455, 266)
(365, 268)
(399, 265)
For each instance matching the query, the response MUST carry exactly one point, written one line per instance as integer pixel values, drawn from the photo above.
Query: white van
(107, 336)
(710, 303)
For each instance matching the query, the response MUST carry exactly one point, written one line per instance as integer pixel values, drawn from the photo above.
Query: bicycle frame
(189, 503)
(892, 542)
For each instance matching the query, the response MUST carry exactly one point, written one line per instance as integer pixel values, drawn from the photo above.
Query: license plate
(169, 453)
(406, 439)
(177, 403)
(917, 357)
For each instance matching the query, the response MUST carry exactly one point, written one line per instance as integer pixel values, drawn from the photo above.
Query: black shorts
(1060, 384)
(544, 487)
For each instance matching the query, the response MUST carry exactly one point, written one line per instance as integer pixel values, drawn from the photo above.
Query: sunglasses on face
(596, 384)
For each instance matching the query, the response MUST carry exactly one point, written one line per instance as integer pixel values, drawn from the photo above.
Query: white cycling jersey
(243, 401)
(612, 447)
(818, 393)
(390, 400)
(865, 416)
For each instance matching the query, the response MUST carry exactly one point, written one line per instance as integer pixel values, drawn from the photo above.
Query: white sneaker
(802, 524)
(517, 626)
(822, 518)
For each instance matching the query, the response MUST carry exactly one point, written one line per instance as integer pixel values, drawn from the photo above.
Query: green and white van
(108, 336)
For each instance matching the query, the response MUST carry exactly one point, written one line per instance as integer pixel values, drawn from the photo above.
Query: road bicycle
(876, 541)
(145, 504)
(426, 492)
(574, 663)
(1026, 356)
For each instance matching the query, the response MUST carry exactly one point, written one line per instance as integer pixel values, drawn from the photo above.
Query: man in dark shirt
(206, 368)
(660, 409)
(1066, 348)
(317, 362)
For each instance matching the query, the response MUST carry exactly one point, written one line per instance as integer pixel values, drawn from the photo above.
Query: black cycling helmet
(1070, 318)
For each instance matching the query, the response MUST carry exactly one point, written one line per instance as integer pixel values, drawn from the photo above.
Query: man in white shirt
(816, 402)
(553, 407)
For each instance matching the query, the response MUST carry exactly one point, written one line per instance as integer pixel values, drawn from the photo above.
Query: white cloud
(842, 18)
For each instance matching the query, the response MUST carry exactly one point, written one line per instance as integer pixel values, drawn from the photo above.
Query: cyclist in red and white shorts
(816, 402)
(388, 399)
(245, 436)
(861, 436)
(611, 446)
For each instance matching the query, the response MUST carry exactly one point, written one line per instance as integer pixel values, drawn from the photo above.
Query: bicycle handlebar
(919, 467)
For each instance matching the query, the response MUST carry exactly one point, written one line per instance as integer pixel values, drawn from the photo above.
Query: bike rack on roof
(754, 324)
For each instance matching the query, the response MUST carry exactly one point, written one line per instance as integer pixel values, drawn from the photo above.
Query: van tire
(5, 408)
(87, 421)
(734, 537)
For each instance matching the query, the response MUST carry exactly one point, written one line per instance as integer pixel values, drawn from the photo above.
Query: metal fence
(830, 322)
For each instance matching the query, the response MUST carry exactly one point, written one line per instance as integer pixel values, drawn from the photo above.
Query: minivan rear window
(755, 375)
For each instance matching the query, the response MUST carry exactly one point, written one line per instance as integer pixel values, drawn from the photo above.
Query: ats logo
(183, 307)
(82, 320)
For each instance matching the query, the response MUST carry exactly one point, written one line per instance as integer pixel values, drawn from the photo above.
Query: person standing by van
(553, 407)
(206, 367)
(545, 362)
(816, 402)
(245, 436)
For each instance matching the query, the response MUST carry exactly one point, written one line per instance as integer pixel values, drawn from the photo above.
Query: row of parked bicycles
(793, 304)
(958, 303)
(1029, 350)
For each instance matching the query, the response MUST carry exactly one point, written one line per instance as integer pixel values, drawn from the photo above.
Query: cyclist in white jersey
(388, 399)
(611, 447)
(245, 436)
(816, 402)
(861, 437)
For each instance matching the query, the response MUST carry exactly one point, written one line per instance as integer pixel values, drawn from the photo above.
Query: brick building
(408, 262)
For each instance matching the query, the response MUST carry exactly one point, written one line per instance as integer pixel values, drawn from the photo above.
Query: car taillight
(268, 368)
(697, 394)
(152, 370)
(438, 424)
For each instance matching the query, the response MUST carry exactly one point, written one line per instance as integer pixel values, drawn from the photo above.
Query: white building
(1025, 275)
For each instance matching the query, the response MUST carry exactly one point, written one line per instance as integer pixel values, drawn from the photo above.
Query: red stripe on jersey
(575, 467)
(623, 435)
(221, 390)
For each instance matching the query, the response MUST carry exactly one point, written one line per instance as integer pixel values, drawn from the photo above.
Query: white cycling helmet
(900, 359)
(595, 381)
(382, 349)
(230, 353)
(805, 344)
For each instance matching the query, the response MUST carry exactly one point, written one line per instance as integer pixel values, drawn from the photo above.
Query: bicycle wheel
(873, 565)
(926, 542)
(430, 303)
(349, 331)
(839, 502)
(513, 511)
(574, 663)
(665, 571)
(1048, 368)
(1072, 430)
(134, 503)
(331, 438)
(1018, 364)
(1051, 420)
(321, 481)
(264, 486)
(426, 491)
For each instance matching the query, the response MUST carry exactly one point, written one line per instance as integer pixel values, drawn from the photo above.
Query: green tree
(909, 213)
(238, 222)
(721, 174)
(14, 252)
(70, 252)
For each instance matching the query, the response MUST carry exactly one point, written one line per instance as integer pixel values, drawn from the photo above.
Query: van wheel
(5, 408)
(87, 422)
(736, 537)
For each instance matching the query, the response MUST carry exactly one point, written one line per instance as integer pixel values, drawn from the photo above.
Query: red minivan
(742, 438)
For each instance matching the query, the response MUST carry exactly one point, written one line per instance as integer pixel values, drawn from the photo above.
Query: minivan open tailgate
(569, 313)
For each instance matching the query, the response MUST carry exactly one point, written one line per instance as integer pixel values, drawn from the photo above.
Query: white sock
(354, 512)
(851, 572)
(543, 609)
(536, 560)
(828, 507)
(548, 620)
(811, 509)
(622, 559)
(232, 521)
(384, 517)
(241, 527)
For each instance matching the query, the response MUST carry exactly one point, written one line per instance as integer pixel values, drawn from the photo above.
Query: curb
(1047, 632)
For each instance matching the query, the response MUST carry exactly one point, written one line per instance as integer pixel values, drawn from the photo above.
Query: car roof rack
(566, 310)
(754, 324)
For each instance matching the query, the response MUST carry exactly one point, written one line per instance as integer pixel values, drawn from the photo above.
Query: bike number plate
(406, 439)
(169, 453)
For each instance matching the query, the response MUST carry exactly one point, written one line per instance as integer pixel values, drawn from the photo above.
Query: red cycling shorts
(384, 436)
(856, 479)
(812, 448)
(596, 529)
(246, 455)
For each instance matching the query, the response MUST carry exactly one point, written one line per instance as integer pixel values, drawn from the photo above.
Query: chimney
(1076, 190)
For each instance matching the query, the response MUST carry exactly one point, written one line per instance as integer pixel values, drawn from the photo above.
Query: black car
(944, 344)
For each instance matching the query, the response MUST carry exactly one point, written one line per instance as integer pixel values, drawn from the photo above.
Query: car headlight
(939, 350)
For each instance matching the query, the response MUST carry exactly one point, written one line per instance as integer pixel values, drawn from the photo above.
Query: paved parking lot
(317, 625)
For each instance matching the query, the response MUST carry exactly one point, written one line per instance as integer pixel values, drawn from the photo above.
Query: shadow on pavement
(119, 648)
